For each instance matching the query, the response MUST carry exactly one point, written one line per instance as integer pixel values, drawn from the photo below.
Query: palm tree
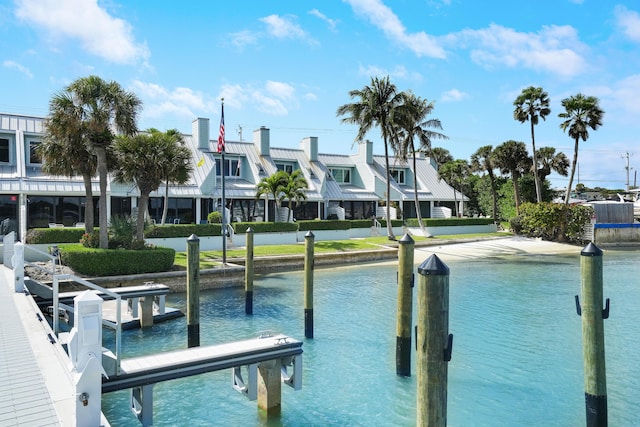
(138, 159)
(581, 113)
(375, 106)
(512, 158)
(64, 151)
(531, 105)
(454, 173)
(176, 163)
(549, 161)
(295, 190)
(413, 123)
(101, 106)
(482, 161)
(273, 186)
(440, 156)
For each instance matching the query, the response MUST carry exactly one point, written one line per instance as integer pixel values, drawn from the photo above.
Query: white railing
(8, 242)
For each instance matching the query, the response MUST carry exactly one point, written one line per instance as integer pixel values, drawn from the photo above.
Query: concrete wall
(616, 234)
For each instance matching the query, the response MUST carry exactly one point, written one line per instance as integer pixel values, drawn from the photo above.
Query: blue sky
(289, 65)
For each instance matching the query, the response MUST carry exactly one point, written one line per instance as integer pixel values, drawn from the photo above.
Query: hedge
(264, 227)
(54, 235)
(448, 222)
(110, 262)
(183, 230)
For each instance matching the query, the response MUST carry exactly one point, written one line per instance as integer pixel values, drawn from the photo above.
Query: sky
(288, 65)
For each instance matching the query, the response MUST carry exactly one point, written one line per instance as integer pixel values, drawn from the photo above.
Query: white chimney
(261, 139)
(310, 147)
(200, 132)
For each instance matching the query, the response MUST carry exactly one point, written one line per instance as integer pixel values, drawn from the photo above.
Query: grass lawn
(211, 259)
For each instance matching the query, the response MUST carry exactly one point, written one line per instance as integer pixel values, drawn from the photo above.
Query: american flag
(221, 136)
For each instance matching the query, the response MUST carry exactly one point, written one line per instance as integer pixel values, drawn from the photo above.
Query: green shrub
(361, 223)
(214, 217)
(184, 230)
(324, 225)
(394, 222)
(552, 221)
(54, 235)
(114, 262)
(264, 227)
(91, 240)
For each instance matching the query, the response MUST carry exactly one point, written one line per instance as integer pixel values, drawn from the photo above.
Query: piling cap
(249, 230)
(309, 234)
(193, 238)
(591, 250)
(433, 266)
(406, 239)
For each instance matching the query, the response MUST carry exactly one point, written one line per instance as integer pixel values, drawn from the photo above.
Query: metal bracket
(605, 312)
(295, 378)
(578, 308)
(250, 388)
(448, 349)
(142, 404)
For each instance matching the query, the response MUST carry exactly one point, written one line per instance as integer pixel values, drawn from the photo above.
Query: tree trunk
(88, 204)
(425, 233)
(165, 208)
(536, 179)
(574, 164)
(143, 206)
(516, 192)
(101, 156)
(390, 234)
(494, 194)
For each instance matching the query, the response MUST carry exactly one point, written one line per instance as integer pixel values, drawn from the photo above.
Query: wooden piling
(270, 387)
(193, 291)
(248, 273)
(308, 284)
(404, 315)
(433, 343)
(593, 315)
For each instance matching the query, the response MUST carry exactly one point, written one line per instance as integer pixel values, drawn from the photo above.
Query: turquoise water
(517, 350)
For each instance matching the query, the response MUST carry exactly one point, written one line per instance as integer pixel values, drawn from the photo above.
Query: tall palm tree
(531, 105)
(413, 123)
(482, 161)
(512, 158)
(440, 156)
(454, 173)
(63, 149)
(549, 161)
(176, 163)
(581, 113)
(138, 159)
(295, 190)
(273, 186)
(375, 106)
(102, 106)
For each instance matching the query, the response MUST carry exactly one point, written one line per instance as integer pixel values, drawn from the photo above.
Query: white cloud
(283, 27)
(19, 67)
(243, 38)
(553, 49)
(382, 17)
(399, 72)
(629, 22)
(625, 93)
(99, 33)
(280, 90)
(453, 95)
(181, 101)
(331, 22)
(310, 96)
(273, 98)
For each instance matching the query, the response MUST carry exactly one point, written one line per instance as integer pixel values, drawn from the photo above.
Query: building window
(231, 167)
(397, 175)
(4, 150)
(34, 156)
(287, 167)
(341, 175)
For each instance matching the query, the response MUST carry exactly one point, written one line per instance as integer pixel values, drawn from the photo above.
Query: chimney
(310, 147)
(261, 139)
(365, 151)
(200, 132)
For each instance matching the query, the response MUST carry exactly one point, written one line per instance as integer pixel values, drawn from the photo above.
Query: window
(398, 175)
(287, 167)
(231, 167)
(341, 175)
(34, 156)
(4, 150)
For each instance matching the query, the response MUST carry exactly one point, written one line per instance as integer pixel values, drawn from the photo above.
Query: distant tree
(273, 186)
(512, 158)
(482, 161)
(549, 161)
(413, 123)
(581, 113)
(295, 189)
(454, 173)
(440, 155)
(176, 163)
(99, 107)
(531, 105)
(375, 105)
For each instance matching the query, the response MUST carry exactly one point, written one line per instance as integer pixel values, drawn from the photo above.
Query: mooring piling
(308, 284)
(193, 291)
(248, 273)
(593, 315)
(404, 316)
(434, 343)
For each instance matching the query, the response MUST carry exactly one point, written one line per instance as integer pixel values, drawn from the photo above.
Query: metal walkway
(33, 387)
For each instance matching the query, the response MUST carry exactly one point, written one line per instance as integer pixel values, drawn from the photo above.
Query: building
(340, 186)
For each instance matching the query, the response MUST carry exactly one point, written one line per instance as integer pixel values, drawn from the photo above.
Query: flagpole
(221, 150)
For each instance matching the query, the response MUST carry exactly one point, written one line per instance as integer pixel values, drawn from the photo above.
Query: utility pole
(627, 168)
(239, 130)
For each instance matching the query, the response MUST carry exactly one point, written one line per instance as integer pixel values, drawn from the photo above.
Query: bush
(54, 235)
(184, 230)
(214, 217)
(113, 262)
(324, 225)
(552, 221)
(264, 227)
